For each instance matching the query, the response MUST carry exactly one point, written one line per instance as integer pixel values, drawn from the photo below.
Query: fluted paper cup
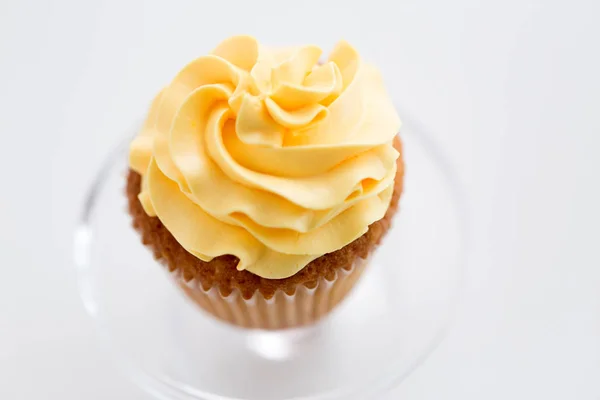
(305, 306)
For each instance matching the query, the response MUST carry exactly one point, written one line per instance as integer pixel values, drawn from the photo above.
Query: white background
(509, 89)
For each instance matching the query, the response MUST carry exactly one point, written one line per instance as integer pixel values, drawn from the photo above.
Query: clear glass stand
(393, 319)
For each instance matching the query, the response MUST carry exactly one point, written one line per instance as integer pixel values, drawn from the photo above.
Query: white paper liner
(306, 306)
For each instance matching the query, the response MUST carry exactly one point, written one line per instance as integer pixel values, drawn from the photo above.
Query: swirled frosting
(268, 154)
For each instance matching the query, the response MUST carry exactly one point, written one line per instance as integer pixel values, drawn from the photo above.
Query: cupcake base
(247, 300)
(280, 311)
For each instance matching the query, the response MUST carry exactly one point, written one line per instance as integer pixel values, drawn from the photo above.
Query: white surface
(510, 90)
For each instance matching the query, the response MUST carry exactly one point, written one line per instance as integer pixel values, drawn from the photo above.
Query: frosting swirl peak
(268, 155)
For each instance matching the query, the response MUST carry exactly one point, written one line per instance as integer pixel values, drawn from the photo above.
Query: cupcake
(263, 179)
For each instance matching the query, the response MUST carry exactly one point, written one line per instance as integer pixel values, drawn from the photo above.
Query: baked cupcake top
(268, 155)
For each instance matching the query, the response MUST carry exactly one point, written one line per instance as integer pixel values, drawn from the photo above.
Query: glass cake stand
(393, 319)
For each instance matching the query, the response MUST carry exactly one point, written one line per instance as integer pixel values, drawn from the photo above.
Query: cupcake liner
(304, 307)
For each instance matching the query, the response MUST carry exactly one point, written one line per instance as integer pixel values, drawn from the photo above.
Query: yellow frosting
(268, 155)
